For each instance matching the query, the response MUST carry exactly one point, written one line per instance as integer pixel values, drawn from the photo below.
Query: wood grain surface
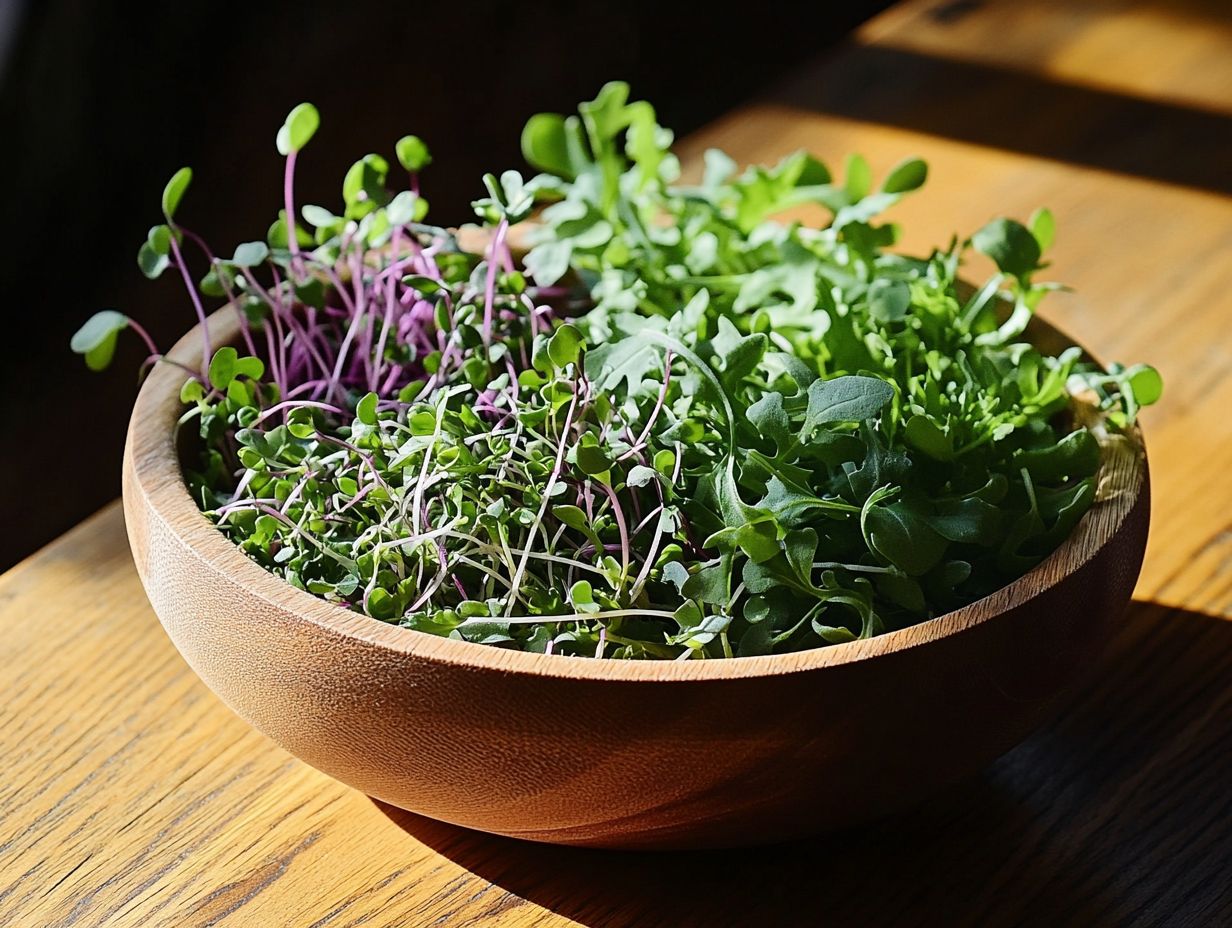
(130, 796)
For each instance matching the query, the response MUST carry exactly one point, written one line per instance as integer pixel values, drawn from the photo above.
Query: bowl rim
(152, 463)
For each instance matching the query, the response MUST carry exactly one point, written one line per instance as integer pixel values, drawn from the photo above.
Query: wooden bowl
(618, 754)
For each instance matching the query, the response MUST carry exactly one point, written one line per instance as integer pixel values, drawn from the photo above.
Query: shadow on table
(967, 101)
(1115, 814)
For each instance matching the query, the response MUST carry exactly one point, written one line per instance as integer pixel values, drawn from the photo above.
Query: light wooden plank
(1092, 44)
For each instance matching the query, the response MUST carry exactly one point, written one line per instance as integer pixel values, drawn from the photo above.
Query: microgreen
(676, 428)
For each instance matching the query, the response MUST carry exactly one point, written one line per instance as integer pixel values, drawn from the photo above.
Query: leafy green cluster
(675, 428)
(865, 441)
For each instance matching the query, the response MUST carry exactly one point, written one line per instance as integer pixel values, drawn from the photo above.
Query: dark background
(101, 103)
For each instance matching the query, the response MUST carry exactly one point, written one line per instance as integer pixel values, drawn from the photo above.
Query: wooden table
(131, 796)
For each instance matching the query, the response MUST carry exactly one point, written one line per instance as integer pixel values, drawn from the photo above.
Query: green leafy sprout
(674, 428)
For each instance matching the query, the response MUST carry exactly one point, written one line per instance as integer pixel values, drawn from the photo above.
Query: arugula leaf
(851, 398)
(899, 533)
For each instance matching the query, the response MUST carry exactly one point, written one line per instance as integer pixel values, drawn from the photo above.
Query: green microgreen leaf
(227, 364)
(150, 261)
(96, 339)
(1043, 227)
(300, 126)
(905, 176)
(859, 178)
(565, 345)
(250, 254)
(1146, 382)
(365, 409)
(1011, 245)
(174, 191)
(412, 153)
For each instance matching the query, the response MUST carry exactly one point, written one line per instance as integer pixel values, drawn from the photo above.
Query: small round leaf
(152, 263)
(1043, 227)
(906, 176)
(97, 338)
(159, 238)
(592, 460)
(365, 410)
(859, 177)
(250, 254)
(319, 217)
(1147, 384)
(545, 145)
(302, 123)
(222, 367)
(1010, 244)
(412, 153)
(192, 391)
(174, 191)
(250, 367)
(565, 345)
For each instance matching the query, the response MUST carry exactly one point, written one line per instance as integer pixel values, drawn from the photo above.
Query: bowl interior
(157, 457)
